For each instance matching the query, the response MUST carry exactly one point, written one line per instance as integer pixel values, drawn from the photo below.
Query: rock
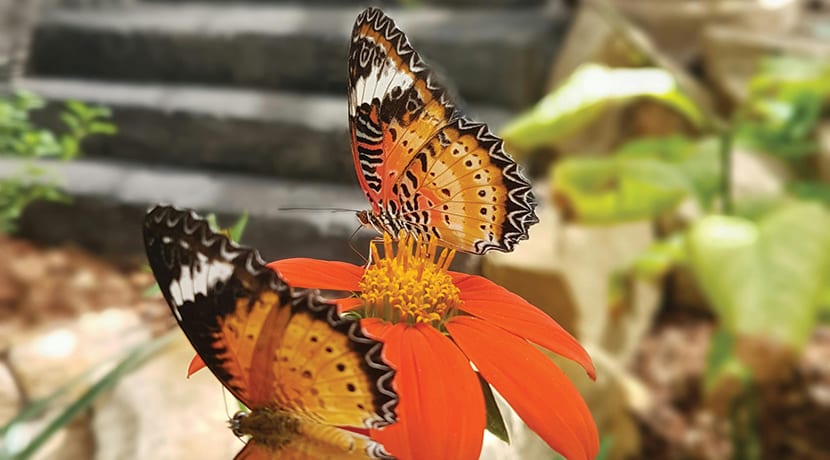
(10, 398)
(49, 357)
(756, 175)
(156, 412)
(677, 25)
(731, 55)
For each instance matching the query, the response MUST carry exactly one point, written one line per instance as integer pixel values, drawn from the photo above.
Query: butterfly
(301, 368)
(424, 166)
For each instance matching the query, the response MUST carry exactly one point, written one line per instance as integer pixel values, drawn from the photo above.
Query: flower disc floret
(410, 283)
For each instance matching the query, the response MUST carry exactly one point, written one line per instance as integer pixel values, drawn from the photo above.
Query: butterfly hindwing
(271, 346)
(424, 166)
(463, 189)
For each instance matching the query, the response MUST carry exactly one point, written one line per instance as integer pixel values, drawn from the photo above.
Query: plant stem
(726, 171)
(746, 441)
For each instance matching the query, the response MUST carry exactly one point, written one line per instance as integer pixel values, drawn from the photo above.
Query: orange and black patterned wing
(270, 346)
(395, 104)
(463, 189)
(423, 165)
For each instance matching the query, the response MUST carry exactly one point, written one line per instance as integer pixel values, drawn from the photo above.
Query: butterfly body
(424, 166)
(287, 355)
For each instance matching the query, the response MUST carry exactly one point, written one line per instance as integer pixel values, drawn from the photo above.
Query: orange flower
(434, 322)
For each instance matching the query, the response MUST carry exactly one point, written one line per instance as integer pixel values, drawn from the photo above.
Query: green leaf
(660, 257)
(765, 277)
(586, 94)
(610, 190)
(697, 160)
(645, 178)
(235, 231)
(100, 127)
(495, 421)
(722, 361)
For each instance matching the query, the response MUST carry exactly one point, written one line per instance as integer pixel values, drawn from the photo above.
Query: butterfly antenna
(319, 209)
(354, 248)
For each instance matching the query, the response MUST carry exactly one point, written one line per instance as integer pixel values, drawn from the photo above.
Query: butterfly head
(235, 423)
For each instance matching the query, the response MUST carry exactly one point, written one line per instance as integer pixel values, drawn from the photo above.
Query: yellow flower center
(409, 283)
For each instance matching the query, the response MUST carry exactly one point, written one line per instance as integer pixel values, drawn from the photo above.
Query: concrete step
(384, 3)
(109, 200)
(281, 134)
(497, 57)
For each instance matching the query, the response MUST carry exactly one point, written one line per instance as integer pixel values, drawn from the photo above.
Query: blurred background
(680, 149)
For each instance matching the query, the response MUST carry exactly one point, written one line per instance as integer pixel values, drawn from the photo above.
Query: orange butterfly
(301, 369)
(424, 166)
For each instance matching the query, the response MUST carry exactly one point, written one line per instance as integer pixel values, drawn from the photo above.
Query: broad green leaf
(610, 190)
(765, 277)
(586, 94)
(698, 160)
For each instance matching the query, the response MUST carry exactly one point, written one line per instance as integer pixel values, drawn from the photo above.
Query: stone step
(384, 3)
(109, 200)
(497, 57)
(281, 134)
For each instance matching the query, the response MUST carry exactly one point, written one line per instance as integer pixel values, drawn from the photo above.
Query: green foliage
(590, 91)
(495, 422)
(784, 106)
(643, 179)
(765, 277)
(19, 137)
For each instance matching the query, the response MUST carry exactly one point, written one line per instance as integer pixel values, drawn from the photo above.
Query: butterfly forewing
(422, 165)
(271, 346)
(395, 104)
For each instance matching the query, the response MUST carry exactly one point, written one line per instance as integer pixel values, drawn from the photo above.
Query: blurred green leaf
(609, 190)
(235, 231)
(660, 257)
(784, 105)
(586, 94)
(811, 191)
(764, 277)
(722, 361)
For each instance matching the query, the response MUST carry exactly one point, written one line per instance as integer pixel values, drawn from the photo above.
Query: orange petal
(319, 274)
(489, 301)
(349, 303)
(441, 409)
(196, 364)
(538, 391)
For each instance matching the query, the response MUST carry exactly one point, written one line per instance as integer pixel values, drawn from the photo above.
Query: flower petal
(489, 301)
(196, 364)
(349, 303)
(319, 274)
(441, 409)
(535, 387)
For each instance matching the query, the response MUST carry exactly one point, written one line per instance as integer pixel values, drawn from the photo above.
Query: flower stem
(726, 137)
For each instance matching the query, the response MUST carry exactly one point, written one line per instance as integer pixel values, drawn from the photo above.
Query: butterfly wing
(462, 188)
(318, 442)
(418, 160)
(270, 346)
(395, 104)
